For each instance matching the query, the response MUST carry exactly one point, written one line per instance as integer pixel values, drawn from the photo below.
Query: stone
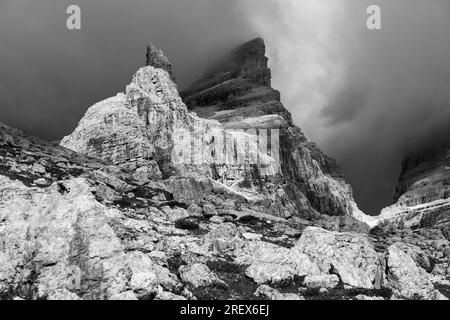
(217, 219)
(237, 92)
(128, 295)
(418, 255)
(113, 212)
(147, 276)
(38, 168)
(52, 227)
(269, 293)
(367, 298)
(351, 256)
(63, 295)
(209, 210)
(194, 210)
(157, 59)
(273, 264)
(447, 253)
(321, 281)
(41, 182)
(407, 280)
(199, 275)
(423, 191)
(251, 236)
(169, 296)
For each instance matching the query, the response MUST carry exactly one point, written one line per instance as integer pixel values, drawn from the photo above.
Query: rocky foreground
(111, 214)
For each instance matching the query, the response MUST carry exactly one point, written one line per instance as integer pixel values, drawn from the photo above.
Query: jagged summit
(238, 85)
(247, 61)
(423, 191)
(418, 165)
(237, 92)
(157, 59)
(131, 223)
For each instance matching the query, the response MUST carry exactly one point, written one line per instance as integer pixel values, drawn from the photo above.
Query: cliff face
(139, 130)
(237, 87)
(124, 219)
(423, 191)
(237, 92)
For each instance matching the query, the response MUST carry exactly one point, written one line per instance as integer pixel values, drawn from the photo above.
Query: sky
(365, 97)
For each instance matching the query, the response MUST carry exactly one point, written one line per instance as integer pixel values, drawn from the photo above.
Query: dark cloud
(399, 78)
(50, 75)
(367, 97)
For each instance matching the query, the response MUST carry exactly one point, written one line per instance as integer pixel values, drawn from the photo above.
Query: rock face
(118, 216)
(157, 59)
(407, 279)
(423, 192)
(237, 92)
(348, 255)
(139, 131)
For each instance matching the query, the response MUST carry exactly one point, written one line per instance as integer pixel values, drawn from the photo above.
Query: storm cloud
(50, 75)
(366, 97)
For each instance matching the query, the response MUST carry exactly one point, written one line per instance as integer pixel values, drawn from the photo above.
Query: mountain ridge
(121, 210)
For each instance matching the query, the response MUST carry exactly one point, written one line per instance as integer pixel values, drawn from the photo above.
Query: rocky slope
(138, 130)
(123, 219)
(237, 92)
(423, 192)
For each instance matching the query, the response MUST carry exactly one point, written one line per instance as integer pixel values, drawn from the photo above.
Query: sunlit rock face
(237, 87)
(149, 130)
(237, 92)
(423, 191)
(129, 214)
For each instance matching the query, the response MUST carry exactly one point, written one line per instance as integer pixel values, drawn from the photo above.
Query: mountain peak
(157, 59)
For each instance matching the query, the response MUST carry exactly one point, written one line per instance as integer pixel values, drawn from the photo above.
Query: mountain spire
(157, 59)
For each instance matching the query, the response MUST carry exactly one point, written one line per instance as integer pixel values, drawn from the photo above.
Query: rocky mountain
(125, 209)
(237, 92)
(423, 191)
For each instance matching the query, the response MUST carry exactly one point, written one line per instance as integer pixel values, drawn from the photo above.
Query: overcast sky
(364, 96)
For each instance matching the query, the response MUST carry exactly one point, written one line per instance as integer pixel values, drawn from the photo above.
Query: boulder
(321, 281)
(269, 293)
(407, 280)
(273, 264)
(199, 275)
(128, 295)
(349, 255)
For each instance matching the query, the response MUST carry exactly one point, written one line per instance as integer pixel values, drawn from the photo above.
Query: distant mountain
(423, 191)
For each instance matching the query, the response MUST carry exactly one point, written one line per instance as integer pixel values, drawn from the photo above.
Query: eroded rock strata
(118, 217)
(423, 192)
(237, 92)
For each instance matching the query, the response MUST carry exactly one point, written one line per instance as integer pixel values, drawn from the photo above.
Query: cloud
(367, 97)
(50, 75)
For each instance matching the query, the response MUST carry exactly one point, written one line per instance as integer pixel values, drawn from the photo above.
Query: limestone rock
(237, 92)
(423, 191)
(157, 59)
(199, 275)
(351, 256)
(367, 298)
(322, 281)
(252, 236)
(273, 264)
(63, 238)
(267, 292)
(129, 295)
(407, 279)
